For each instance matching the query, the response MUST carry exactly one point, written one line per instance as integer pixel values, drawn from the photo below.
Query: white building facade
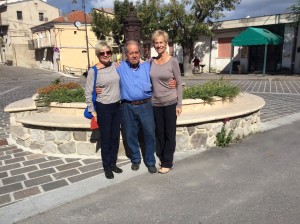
(215, 52)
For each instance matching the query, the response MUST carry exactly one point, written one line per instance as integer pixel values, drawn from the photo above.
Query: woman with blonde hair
(166, 101)
(107, 111)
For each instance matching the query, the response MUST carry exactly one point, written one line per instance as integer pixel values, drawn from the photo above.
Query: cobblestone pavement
(24, 174)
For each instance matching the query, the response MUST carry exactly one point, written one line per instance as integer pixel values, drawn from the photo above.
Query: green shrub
(73, 92)
(61, 93)
(224, 137)
(208, 90)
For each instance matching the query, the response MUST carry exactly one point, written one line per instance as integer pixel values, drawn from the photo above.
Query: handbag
(86, 112)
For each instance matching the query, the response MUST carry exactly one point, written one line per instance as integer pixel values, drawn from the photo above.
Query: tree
(121, 10)
(104, 25)
(205, 10)
(184, 20)
(101, 24)
(295, 12)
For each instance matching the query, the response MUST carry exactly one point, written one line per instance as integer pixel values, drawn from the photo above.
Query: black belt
(138, 102)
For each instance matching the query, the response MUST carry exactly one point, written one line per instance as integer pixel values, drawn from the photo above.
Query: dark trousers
(165, 127)
(109, 119)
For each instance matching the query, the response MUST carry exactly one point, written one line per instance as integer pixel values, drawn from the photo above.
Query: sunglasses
(102, 53)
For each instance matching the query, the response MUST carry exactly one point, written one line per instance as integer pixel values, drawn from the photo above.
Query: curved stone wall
(57, 130)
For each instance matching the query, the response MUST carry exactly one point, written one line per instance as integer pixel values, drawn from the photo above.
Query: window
(19, 15)
(41, 16)
(224, 47)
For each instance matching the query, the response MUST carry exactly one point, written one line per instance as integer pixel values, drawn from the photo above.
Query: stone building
(61, 43)
(16, 19)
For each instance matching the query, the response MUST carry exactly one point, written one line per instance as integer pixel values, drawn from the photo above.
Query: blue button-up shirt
(135, 84)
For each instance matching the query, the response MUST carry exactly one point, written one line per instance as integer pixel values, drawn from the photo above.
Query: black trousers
(109, 119)
(165, 127)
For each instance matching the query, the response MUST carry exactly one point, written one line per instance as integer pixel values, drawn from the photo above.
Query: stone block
(85, 176)
(23, 170)
(198, 140)
(67, 173)
(10, 188)
(207, 126)
(182, 142)
(49, 147)
(14, 179)
(49, 136)
(51, 164)
(36, 146)
(211, 142)
(3, 175)
(80, 136)
(34, 161)
(4, 199)
(191, 130)
(36, 135)
(10, 167)
(68, 166)
(67, 148)
(40, 173)
(38, 181)
(54, 185)
(63, 135)
(3, 142)
(238, 133)
(88, 168)
(14, 160)
(86, 148)
(247, 130)
(26, 193)
(19, 132)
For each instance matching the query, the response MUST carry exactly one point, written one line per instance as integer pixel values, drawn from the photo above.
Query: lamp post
(86, 33)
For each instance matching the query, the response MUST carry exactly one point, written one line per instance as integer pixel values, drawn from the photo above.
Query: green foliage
(61, 93)
(184, 20)
(295, 12)
(224, 138)
(207, 91)
(206, 10)
(121, 10)
(103, 25)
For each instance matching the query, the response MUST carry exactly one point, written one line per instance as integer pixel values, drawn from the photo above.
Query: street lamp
(86, 33)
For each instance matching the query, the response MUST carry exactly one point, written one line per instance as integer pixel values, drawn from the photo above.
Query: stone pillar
(132, 27)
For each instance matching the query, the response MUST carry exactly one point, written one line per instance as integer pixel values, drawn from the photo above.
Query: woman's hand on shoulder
(117, 63)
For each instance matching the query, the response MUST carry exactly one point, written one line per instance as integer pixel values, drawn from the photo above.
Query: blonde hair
(158, 33)
(100, 46)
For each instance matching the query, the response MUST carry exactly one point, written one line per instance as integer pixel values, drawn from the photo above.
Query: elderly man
(136, 106)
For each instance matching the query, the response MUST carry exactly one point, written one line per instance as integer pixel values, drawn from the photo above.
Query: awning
(256, 36)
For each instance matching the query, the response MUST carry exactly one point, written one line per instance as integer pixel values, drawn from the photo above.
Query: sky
(251, 8)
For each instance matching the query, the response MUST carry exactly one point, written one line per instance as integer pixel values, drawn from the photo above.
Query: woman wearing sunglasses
(107, 111)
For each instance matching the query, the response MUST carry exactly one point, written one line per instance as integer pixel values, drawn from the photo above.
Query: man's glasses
(102, 53)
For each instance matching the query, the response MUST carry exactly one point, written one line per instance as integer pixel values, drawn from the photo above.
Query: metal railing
(74, 71)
